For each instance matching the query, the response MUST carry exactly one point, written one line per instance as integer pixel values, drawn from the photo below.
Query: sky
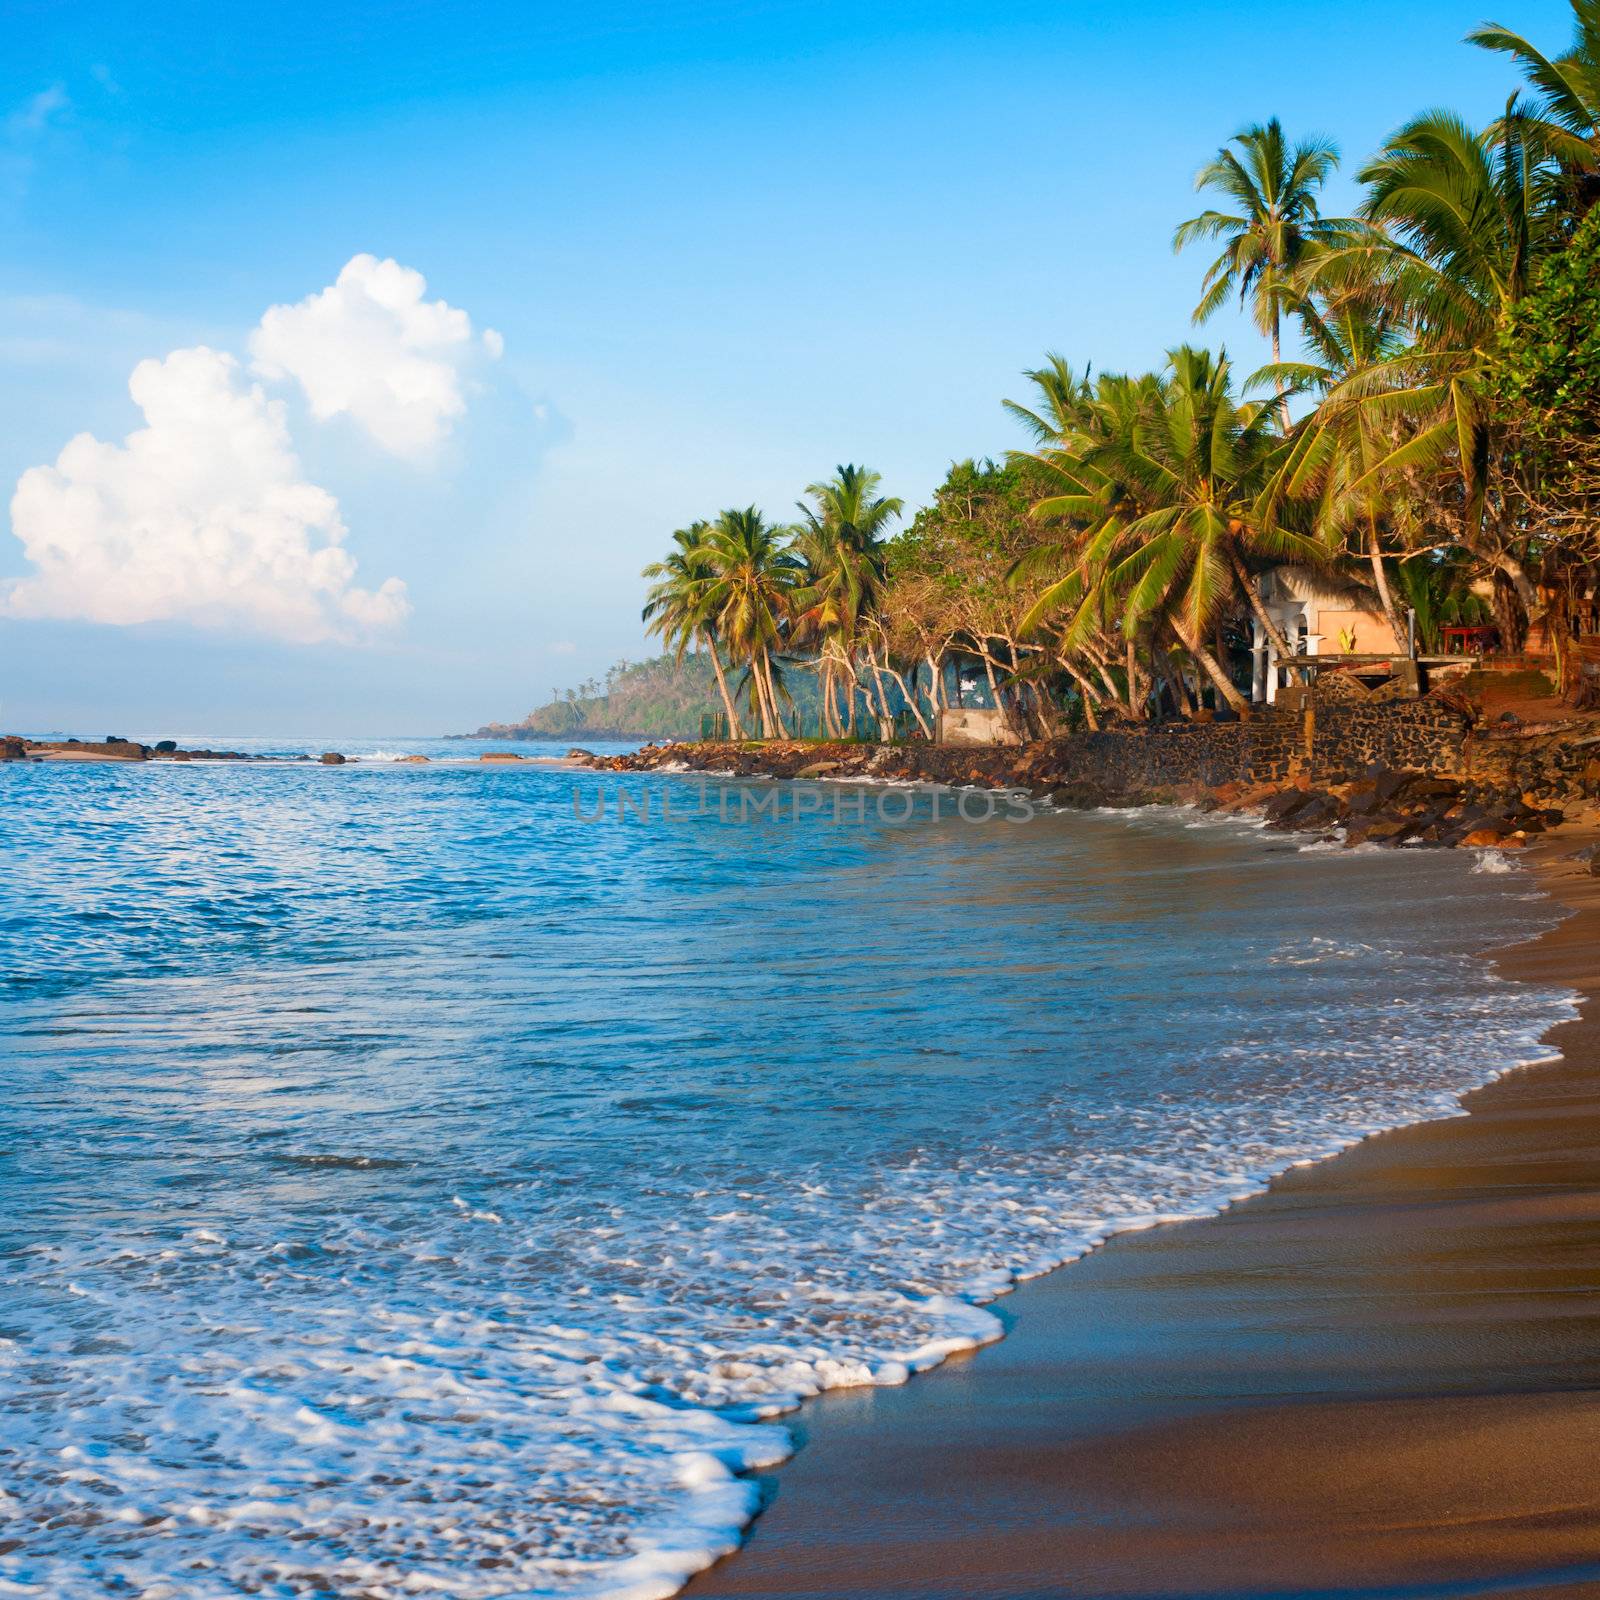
(357, 356)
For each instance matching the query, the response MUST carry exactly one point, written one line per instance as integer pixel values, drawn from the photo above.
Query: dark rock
(1281, 809)
(166, 746)
(331, 758)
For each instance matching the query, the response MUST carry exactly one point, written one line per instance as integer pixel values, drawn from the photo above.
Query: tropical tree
(1270, 228)
(840, 542)
(1567, 86)
(752, 580)
(1171, 484)
(1335, 459)
(1457, 223)
(676, 607)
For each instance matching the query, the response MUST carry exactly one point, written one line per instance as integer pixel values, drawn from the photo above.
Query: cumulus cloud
(203, 515)
(371, 348)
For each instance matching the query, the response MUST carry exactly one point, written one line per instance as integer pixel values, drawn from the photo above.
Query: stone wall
(1314, 740)
(1322, 742)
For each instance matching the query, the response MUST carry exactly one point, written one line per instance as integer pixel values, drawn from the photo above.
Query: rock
(816, 768)
(166, 746)
(1386, 784)
(1385, 829)
(1482, 839)
(1429, 789)
(1323, 811)
(1077, 797)
(492, 755)
(13, 749)
(1281, 808)
(406, 761)
(331, 758)
(575, 754)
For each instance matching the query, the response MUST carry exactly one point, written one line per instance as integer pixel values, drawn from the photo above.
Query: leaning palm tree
(1567, 86)
(1272, 226)
(840, 543)
(1173, 489)
(750, 587)
(675, 607)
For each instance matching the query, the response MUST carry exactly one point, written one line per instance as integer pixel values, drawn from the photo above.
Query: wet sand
(1379, 1378)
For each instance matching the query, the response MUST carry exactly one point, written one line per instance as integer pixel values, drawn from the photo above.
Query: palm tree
(1338, 448)
(1273, 225)
(840, 542)
(675, 606)
(1568, 86)
(1171, 483)
(750, 589)
(1457, 222)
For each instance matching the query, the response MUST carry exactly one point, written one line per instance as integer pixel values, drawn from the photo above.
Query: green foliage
(1547, 365)
(1436, 587)
(979, 515)
(663, 698)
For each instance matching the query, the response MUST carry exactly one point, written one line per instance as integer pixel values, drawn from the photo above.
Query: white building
(1316, 618)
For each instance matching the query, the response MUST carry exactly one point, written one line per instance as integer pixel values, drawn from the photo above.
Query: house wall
(973, 725)
(1372, 634)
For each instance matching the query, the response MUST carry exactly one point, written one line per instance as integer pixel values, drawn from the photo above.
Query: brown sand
(1380, 1378)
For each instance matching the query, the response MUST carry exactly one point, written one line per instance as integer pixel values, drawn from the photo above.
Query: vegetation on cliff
(663, 698)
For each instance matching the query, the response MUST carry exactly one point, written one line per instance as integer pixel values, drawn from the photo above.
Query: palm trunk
(772, 695)
(1212, 668)
(735, 727)
(1257, 605)
(1135, 685)
(1381, 579)
(1283, 393)
(762, 692)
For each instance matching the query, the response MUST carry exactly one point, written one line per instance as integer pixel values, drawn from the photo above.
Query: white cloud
(202, 516)
(371, 348)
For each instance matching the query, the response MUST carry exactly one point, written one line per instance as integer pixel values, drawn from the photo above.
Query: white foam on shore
(554, 1389)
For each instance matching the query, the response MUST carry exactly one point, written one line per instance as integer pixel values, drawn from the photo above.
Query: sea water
(410, 1187)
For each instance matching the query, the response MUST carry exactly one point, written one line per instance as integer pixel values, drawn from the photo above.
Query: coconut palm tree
(1171, 483)
(675, 607)
(840, 542)
(1272, 225)
(1457, 222)
(752, 579)
(1334, 457)
(1567, 86)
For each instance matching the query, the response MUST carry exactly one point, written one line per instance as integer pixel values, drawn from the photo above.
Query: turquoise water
(410, 1187)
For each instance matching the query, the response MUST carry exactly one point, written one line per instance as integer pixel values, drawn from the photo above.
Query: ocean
(412, 1182)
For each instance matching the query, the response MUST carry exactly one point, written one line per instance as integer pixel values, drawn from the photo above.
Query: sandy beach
(1380, 1378)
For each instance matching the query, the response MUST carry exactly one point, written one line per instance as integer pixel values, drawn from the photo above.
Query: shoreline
(1486, 1486)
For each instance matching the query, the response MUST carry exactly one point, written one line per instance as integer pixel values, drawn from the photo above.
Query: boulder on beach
(331, 758)
(500, 755)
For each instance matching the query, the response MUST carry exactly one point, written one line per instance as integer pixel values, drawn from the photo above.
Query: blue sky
(727, 247)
